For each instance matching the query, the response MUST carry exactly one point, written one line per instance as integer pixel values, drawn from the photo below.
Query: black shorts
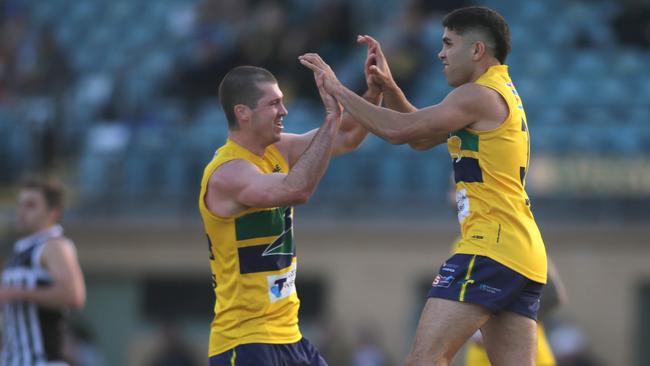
(480, 280)
(301, 353)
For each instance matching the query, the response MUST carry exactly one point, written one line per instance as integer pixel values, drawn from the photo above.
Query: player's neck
(37, 230)
(483, 67)
(248, 142)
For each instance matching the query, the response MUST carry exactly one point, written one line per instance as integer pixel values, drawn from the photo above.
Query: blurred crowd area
(119, 97)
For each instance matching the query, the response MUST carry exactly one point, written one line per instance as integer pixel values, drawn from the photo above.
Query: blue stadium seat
(587, 64)
(628, 62)
(303, 116)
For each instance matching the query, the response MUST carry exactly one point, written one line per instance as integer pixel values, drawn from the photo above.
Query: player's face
(268, 114)
(456, 56)
(33, 213)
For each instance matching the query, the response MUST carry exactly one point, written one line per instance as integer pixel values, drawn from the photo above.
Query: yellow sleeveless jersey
(476, 355)
(253, 263)
(490, 171)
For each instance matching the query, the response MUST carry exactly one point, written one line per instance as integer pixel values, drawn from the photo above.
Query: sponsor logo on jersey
(283, 285)
(490, 289)
(442, 281)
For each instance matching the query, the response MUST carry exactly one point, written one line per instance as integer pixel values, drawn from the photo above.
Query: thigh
(510, 339)
(445, 325)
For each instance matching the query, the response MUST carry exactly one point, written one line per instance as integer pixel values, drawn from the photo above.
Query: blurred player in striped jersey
(41, 281)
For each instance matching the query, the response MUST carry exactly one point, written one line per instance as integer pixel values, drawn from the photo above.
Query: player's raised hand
(374, 87)
(376, 67)
(316, 64)
(332, 106)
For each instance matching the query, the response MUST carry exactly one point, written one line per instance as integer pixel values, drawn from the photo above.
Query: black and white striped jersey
(31, 335)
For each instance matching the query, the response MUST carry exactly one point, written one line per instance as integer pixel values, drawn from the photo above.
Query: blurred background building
(118, 99)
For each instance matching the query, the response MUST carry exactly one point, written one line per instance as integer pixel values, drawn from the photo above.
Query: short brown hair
(239, 86)
(51, 189)
(484, 20)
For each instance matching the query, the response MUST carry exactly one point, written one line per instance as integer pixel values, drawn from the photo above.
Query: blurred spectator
(332, 345)
(81, 348)
(367, 351)
(632, 25)
(271, 34)
(13, 29)
(42, 68)
(110, 136)
(569, 343)
(173, 351)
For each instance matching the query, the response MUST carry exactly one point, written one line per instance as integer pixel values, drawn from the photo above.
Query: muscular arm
(238, 185)
(395, 99)
(68, 289)
(462, 107)
(350, 135)
(467, 105)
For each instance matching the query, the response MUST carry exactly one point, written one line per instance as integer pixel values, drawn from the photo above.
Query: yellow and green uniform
(490, 173)
(253, 263)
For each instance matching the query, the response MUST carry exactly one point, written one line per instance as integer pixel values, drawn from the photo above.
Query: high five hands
(322, 72)
(376, 71)
(332, 107)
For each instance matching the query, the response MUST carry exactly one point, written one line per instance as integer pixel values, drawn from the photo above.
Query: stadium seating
(580, 98)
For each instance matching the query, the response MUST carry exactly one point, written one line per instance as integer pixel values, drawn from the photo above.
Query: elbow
(77, 304)
(302, 196)
(77, 301)
(396, 137)
(419, 147)
(293, 196)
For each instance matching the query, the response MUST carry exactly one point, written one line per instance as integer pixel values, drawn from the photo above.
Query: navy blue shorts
(480, 280)
(301, 353)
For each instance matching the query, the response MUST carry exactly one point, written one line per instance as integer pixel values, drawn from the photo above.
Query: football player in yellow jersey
(246, 199)
(494, 280)
(553, 295)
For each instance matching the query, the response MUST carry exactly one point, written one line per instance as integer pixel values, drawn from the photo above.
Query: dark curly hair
(485, 20)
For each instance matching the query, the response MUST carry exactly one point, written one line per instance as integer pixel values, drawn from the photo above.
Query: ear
(242, 112)
(54, 215)
(479, 50)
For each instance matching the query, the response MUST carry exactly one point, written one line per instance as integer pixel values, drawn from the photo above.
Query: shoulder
(60, 242)
(477, 99)
(61, 246)
(291, 144)
(473, 93)
(231, 174)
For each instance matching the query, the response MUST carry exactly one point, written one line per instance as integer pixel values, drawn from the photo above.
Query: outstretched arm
(462, 107)
(393, 96)
(351, 133)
